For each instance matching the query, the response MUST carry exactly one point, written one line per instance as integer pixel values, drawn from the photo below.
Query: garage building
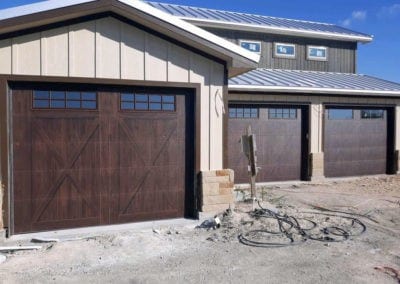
(116, 111)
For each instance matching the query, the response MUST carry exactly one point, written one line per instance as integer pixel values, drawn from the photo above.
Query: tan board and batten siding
(317, 114)
(108, 48)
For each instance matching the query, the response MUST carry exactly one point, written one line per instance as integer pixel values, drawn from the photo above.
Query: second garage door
(357, 140)
(281, 137)
(84, 157)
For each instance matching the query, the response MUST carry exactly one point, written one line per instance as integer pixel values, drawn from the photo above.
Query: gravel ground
(206, 255)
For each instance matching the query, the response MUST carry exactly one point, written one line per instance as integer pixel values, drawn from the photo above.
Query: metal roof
(236, 20)
(208, 39)
(296, 81)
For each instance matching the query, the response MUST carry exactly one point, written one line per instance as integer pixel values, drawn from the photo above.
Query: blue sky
(381, 18)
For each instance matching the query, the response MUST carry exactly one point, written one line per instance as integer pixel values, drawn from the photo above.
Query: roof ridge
(248, 14)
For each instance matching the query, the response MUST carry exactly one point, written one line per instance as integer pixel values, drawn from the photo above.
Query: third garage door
(356, 141)
(281, 141)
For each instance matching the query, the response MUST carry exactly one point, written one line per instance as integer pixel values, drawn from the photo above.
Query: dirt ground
(206, 255)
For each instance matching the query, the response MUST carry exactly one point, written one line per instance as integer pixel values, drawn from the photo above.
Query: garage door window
(372, 114)
(237, 112)
(282, 113)
(340, 114)
(64, 100)
(147, 102)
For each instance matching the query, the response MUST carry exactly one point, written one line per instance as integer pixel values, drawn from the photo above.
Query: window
(285, 50)
(282, 113)
(340, 114)
(254, 46)
(317, 53)
(372, 114)
(64, 100)
(243, 112)
(147, 102)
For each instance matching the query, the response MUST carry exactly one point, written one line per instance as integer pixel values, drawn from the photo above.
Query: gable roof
(259, 23)
(53, 11)
(295, 81)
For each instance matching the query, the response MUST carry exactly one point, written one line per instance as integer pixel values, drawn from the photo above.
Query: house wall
(110, 49)
(341, 55)
(317, 118)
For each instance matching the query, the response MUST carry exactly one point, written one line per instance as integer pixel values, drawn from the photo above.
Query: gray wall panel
(341, 55)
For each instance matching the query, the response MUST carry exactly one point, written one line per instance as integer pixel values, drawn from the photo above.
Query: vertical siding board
(26, 55)
(217, 111)
(200, 73)
(178, 64)
(5, 56)
(82, 50)
(108, 38)
(132, 53)
(156, 58)
(54, 52)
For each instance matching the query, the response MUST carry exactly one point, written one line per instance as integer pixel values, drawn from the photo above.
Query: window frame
(343, 119)
(316, 58)
(148, 94)
(65, 100)
(290, 117)
(243, 108)
(251, 42)
(372, 118)
(287, 56)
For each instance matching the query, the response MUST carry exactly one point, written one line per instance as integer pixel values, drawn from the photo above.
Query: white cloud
(389, 11)
(355, 16)
(359, 15)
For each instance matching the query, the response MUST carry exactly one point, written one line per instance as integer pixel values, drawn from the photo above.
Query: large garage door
(355, 141)
(85, 158)
(280, 138)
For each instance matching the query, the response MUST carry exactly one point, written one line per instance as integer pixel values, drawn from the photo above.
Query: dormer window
(254, 46)
(285, 50)
(317, 53)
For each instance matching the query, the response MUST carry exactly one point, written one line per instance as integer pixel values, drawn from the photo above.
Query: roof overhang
(54, 11)
(305, 90)
(276, 30)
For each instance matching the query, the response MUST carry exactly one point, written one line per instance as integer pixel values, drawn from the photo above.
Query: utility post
(249, 148)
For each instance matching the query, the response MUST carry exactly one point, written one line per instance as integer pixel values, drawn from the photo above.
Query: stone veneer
(317, 166)
(217, 190)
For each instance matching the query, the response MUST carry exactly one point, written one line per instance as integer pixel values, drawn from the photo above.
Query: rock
(155, 231)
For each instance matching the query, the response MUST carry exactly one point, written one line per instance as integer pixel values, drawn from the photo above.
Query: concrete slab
(88, 232)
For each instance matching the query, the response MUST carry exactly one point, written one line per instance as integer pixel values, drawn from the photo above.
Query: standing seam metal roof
(197, 13)
(265, 79)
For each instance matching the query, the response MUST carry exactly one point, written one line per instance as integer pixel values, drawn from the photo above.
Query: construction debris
(17, 248)
(390, 271)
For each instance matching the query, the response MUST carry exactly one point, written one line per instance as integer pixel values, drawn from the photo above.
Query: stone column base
(317, 166)
(216, 190)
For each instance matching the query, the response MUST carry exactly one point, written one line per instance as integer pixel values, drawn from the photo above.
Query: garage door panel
(279, 146)
(78, 167)
(355, 146)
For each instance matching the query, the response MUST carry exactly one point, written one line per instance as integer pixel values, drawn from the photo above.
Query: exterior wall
(317, 119)
(110, 49)
(341, 55)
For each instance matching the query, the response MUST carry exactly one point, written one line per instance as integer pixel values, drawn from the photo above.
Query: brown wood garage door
(280, 138)
(355, 141)
(85, 158)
